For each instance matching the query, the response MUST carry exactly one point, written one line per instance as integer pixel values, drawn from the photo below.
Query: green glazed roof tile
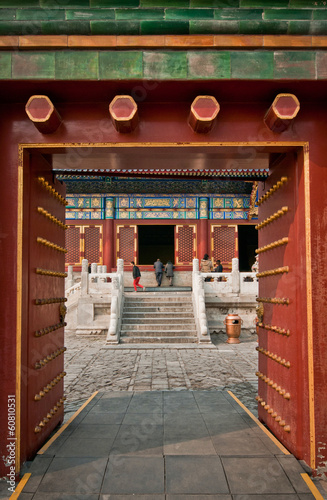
(214, 27)
(263, 27)
(264, 3)
(62, 4)
(7, 14)
(164, 27)
(165, 65)
(189, 14)
(288, 14)
(76, 65)
(238, 14)
(164, 3)
(307, 4)
(88, 14)
(5, 65)
(66, 27)
(209, 65)
(215, 3)
(125, 65)
(114, 3)
(39, 14)
(294, 65)
(33, 65)
(319, 15)
(298, 28)
(252, 65)
(20, 27)
(140, 14)
(115, 27)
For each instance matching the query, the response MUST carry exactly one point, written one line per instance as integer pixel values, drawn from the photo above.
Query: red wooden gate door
(185, 244)
(284, 393)
(43, 332)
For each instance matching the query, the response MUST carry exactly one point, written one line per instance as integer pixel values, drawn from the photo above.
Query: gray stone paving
(92, 366)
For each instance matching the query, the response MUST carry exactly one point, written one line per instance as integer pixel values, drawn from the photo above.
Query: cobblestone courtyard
(92, 366)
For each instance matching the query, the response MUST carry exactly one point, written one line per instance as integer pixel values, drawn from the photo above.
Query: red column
(108, 244)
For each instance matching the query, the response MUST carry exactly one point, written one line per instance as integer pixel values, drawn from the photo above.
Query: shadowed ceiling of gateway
(180, 169)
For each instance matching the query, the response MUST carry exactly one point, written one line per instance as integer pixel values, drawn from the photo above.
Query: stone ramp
(164, 445)
(156, 317)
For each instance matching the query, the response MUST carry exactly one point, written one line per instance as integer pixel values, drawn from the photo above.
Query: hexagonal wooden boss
(43, 114)
(282, 111)
(123, 112)
(204, 110)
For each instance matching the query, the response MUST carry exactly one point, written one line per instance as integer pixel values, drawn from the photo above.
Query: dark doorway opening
(155, 242)
(248, 242)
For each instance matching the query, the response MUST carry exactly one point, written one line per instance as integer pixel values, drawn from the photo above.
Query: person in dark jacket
(218, 269)
(169, 270)
(136, 277)
(158, 269)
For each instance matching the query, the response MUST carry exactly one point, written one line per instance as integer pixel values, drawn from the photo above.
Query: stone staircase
(156, 317)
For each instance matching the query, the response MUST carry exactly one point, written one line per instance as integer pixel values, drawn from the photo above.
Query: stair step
(155, 333)
(152, 326)
(158, 340)
(157, 321)
(155, 309)
(156, 315)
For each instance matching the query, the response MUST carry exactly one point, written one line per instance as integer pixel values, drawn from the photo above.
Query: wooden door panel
(185, 243)
(282, 296)
(46, 298)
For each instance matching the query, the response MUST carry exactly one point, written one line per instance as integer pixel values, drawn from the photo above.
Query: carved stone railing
(199, 306)
(117, 304)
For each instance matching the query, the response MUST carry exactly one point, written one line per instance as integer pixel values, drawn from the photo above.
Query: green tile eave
(5, 65)
(33, 65)
(39, 15)
(163, 65)
(89, 14)
(126, 65)
(209, 65)
(254, 65)
(77, 65)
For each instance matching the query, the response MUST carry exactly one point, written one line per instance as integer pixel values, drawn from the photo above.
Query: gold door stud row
(274, 300)
(273, 414)
(272, 190)
(48, 272)
(49, 244)
(42, 362)
(49, 329)
(273, 272)
(274, 357)
(48, 417)
(276, 329)
(51, 217)
(272, 218)
(274, 244)
(273, 385)
(49, 386)
(52, 300)
(52, 191)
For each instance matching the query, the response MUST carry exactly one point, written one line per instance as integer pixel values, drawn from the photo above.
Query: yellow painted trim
(313, 488)
(62, 145)
(61, 430)
(262, 427)
(20, 486)
(308, 258)
(19, 303)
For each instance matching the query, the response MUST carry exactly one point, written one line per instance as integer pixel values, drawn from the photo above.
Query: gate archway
(285, 347)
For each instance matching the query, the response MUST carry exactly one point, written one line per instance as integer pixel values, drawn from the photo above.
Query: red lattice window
(126, 244)
(92, 244)
(223, 243)
(73, 245)
(185, 244)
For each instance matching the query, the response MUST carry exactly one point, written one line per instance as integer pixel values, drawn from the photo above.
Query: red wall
(164, 122)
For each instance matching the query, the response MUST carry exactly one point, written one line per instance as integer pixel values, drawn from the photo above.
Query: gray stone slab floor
(162, 427)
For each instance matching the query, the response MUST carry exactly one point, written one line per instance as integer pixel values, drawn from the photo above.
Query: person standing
(169, 270)
(218, 269)
(136, 277)
(158, 269)
(206, 266)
